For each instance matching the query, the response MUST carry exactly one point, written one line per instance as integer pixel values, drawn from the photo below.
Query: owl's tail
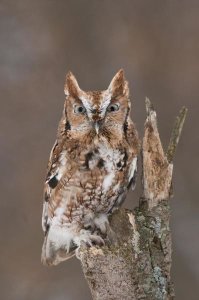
(55, 251)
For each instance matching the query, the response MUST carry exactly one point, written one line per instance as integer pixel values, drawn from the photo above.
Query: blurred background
(157, 44)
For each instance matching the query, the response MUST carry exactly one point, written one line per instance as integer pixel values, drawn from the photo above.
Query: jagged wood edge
(176, 131)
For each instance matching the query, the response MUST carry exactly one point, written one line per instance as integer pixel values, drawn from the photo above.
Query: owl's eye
(113, 107)
(79, 109)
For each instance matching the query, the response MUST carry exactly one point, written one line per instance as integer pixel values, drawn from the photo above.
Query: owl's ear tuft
(118, 85)
(71, 86)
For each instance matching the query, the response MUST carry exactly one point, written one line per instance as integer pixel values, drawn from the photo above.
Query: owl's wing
(52, 251)
(52, 179)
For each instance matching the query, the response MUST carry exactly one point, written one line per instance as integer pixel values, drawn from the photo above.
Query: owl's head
(102, 113)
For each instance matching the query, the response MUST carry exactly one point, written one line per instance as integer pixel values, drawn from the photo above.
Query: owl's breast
(94, 181)
(103, 176)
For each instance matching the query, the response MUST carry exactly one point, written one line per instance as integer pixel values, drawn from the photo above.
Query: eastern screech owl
(91, 167)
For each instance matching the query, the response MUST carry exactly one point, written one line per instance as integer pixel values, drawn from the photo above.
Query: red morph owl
(92, 165)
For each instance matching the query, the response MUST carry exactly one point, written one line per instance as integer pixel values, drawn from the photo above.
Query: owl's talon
(85, 237)
(97, 240)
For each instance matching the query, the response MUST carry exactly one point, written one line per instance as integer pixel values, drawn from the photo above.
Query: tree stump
(137, 264)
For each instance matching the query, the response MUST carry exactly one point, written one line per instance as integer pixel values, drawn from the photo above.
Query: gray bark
(137, 263)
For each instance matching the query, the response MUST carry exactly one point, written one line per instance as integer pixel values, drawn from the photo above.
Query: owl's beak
(98, 125)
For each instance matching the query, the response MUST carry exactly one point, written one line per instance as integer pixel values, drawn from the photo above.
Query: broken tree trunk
(137, 264)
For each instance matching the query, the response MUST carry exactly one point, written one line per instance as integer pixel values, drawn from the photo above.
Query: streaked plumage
(91, 167)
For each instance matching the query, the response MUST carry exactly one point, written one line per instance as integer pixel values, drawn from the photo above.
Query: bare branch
(176, 133)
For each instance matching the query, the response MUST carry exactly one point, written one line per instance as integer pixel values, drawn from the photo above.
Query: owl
(92, 165)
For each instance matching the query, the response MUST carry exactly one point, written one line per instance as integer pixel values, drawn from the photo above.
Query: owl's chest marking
(109, 162)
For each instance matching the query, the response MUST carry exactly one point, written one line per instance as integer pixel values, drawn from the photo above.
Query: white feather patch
(60, 237)
(132, 169)
(108, 179)
(86, 103)
(44, 215)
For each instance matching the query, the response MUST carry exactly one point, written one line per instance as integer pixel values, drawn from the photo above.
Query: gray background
(157, 43)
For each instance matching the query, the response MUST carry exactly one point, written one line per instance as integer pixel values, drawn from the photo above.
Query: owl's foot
(87, 239)
(102, 223)
(93, 222)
